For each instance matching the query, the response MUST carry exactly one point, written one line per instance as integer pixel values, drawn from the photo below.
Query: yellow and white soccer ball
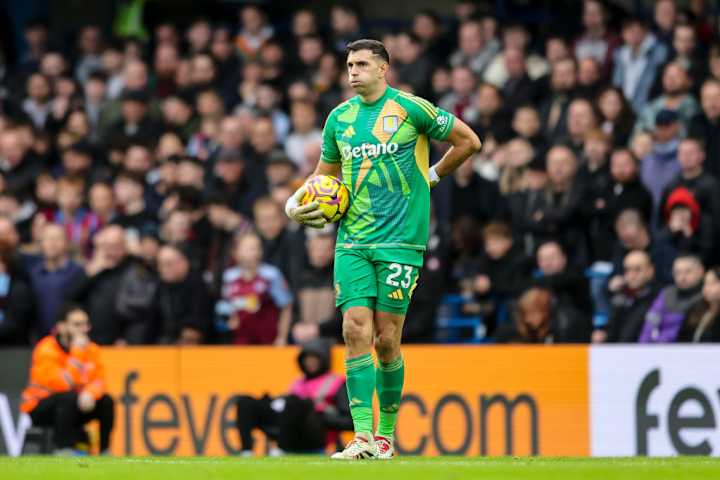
(331, 194)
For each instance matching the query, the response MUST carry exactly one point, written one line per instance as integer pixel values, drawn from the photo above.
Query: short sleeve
(279, 289)
(330, 153)
(433, 121)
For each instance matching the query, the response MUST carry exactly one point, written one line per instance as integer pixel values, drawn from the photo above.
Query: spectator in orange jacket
(67, 384)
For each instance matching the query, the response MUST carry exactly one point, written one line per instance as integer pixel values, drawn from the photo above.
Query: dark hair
(375, 46)
(628, 152)
(66, 310)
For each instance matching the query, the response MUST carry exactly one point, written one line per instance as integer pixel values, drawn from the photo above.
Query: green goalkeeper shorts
(380, 279)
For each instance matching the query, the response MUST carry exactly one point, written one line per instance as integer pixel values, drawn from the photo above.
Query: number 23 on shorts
(400, 280)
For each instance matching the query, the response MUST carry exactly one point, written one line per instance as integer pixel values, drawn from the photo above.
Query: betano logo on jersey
(369, 150)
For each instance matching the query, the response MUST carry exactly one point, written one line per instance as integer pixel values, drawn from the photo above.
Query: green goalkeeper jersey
(384, 152)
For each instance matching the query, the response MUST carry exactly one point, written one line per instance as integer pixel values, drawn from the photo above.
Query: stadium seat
(453, 326)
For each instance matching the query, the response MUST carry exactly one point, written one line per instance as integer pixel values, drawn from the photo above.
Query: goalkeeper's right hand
(309, 215)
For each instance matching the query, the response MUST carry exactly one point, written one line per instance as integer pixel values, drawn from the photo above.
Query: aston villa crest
(390, 123)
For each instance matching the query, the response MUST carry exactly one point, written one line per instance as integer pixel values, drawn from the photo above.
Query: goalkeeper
(378, 141)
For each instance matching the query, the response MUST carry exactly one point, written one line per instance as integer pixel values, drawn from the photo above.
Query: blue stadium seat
(453, 326)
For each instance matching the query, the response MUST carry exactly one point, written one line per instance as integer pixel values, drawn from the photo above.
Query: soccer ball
(332, 196)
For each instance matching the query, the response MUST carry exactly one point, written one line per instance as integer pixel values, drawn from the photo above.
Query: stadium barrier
(462, 400)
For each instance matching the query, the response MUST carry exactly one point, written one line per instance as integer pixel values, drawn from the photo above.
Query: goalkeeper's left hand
(309, 215)
(433, 177)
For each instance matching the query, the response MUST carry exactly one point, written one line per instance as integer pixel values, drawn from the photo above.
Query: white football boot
(359, 448)
(384, 447)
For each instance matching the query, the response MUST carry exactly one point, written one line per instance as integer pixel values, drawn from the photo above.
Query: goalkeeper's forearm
(464, 144)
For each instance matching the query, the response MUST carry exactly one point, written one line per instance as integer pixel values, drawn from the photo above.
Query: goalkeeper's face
(366, 71)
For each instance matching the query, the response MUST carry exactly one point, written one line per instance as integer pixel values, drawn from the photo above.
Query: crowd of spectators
(145, 180)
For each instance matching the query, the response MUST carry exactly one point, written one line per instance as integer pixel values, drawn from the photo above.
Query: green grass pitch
(317, 468)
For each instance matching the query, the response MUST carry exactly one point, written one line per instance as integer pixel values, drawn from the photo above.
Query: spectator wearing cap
(637, 62)
(661, 166)
(706, 124)
(303, 117)
(183, 303)
(473, 50)
(687, 227)
(51, 276)
(675, 97)
(232, 179)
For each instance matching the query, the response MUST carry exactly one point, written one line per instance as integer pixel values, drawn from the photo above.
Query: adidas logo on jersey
(396, 295)
(369, 150)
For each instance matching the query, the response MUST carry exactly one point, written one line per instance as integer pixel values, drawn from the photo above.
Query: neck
(52, 264)
(690, 174)
(249, 272)
(597, 31)
(372, 97)
(135, 207)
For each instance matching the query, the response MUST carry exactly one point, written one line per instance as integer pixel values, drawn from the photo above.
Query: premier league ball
(332, 196)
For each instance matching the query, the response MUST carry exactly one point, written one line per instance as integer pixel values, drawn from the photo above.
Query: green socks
(389, 379)
(360, 382)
